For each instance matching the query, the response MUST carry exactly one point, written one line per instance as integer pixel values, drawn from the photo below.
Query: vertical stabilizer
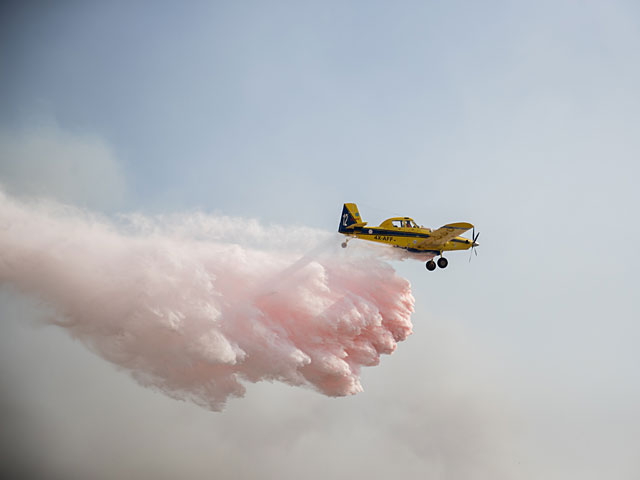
(349, 217)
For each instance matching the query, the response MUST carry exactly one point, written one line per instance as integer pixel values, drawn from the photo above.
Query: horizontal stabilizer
(354, 225)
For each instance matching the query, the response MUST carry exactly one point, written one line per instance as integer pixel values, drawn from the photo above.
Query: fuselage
(403, 232)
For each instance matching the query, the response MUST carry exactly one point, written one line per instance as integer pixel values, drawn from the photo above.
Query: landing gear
(442, 263)
(344, 244)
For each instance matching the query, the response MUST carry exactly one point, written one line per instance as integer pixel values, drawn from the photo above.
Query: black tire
(344, 244)
(431, 265)
(443, 262)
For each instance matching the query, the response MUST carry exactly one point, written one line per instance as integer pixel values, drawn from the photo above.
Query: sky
(518, 117)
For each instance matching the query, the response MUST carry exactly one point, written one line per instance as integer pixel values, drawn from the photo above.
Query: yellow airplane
(402, 232)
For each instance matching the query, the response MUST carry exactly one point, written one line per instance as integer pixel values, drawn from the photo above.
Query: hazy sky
(520, 117)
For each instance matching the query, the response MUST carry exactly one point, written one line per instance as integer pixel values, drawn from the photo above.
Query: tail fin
(350, 218)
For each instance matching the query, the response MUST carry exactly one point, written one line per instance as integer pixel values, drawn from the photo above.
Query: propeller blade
(474, 244)
(474, 237)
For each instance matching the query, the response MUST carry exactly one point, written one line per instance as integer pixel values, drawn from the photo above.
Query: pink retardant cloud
(196, 305)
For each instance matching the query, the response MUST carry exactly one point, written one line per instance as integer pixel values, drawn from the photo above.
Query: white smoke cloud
(188, 307)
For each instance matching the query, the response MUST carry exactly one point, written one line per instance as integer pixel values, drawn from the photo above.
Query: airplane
(403, 232)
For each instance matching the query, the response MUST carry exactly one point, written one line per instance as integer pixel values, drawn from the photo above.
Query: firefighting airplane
(402, 232)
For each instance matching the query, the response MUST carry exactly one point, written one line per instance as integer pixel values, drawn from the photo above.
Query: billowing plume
(194, 305)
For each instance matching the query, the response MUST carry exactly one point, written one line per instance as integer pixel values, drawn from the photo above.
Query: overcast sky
(519, 117)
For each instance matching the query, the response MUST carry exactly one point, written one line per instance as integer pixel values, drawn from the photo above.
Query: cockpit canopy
(399, 222)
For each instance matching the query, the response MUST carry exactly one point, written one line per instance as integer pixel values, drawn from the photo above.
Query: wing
(444, 234)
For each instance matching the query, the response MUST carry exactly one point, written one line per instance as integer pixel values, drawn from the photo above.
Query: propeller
(474, 236)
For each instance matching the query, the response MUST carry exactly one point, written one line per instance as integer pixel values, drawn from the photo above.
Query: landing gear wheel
(443, 262)
(431, 265)
(344, 244)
